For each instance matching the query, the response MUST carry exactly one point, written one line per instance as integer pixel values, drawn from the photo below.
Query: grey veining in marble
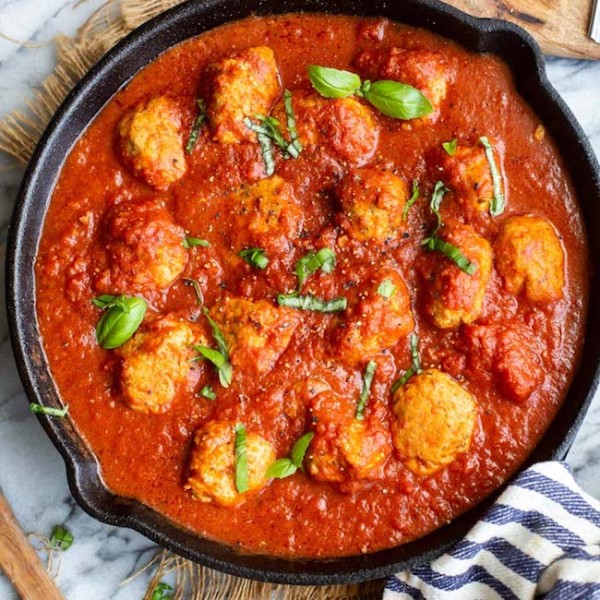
(32, 474)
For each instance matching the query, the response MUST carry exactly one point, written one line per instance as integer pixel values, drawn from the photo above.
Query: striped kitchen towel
(541, 539)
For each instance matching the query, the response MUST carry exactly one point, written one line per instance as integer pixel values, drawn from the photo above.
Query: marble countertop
(32, 474)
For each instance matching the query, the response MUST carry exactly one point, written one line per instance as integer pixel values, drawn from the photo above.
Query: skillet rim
(504, 39)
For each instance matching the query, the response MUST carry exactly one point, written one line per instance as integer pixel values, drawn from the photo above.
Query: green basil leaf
(497, 204)
(61, 538)
(313, 261)
(450, 147)
(453, 253)
(191, 242)
(217, 335)
(120, 322)
(366, 389)
(333, 83)
(300, 447)
(197, 126)
(416, 363)
(266, 145)
(197, 289)
(397, 100)
(36, 408)
(295, 146)
(208, 392)
(241, 459)
(225, 373)
(281, 469)
(435, 204)
(256, 257)
(162, 591)
(312, 303)
(412, 199)
(104, 301)
(212, 355)
(386, 289)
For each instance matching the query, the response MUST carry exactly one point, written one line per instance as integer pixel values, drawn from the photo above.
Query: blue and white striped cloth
(541, 539)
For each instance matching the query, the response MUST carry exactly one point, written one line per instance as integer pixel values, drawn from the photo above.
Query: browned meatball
(530, 259)
(382, 317)
(156, 362)
(143, 248)
(212, 464)
(257, 333)
(151, 142)
(435, 419)
(453, 296)
(344, 448)
(243, 85)
(372, 203)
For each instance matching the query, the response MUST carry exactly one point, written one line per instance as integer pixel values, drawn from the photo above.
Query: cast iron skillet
(192, 18)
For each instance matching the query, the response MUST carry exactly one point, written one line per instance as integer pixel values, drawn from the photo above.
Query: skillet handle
(20, 563)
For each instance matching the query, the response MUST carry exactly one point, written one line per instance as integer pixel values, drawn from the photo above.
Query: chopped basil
(266, 145)
(412, 199)
(450, 147)
(310, 302)
(36, 408)
(434, 204)
(386, 289)
(197, 290)
(295, 143)
(241, 459)
(270, 127)
(284, 467)
(197, 126)
(123, 316)
(333, 83)
(61, 538)
(208, 392)
(104, 301)
(191, 242)
(366, 389)
(255, 257)
(313, 261)
(452, 252)
(416, 363)
(497, 204)
(396, 100)
(162, 591)
(220, 357)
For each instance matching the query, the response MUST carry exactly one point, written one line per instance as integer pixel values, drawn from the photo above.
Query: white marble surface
(32, 474)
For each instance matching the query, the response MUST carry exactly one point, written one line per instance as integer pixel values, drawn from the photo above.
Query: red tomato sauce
(146, 456)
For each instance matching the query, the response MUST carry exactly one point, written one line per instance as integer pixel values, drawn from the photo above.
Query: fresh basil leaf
(295, 146)
(366, 389)
(197, 289)
(397, 100)
(36, 408)
(300, 447)
(217, 335)
(104, 301)
(191, 242)
(241, 459)
(309, 302)
(197, 126)
(281, 469)
(416, 363)
(162, 591)
(414, 197)
(212, 355)
(61, 538)
(266, 145)
(313, 261)
(225, 373)
(333, 83)
(256, 257)
(497, 204)
(120, 321)
(386, 289)
(208, 392)
(452, 252)
(450, 147)
(435, 204)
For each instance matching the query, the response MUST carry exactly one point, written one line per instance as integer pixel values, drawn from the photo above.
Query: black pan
(509, 42)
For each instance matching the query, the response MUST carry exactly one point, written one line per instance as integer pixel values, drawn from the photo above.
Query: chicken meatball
(212, 464)
(156, 362)
(256, 332)
(454, 296)
(267, 215)
(344, 448)
(426, 70)
(372, 203)
(151, 142)
(243, 85)
(342, 127)
(382, 317)
(530, 259)
(435, 420)
(143, 249)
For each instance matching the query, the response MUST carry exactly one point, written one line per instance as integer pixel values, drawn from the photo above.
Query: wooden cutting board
(559, 26)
